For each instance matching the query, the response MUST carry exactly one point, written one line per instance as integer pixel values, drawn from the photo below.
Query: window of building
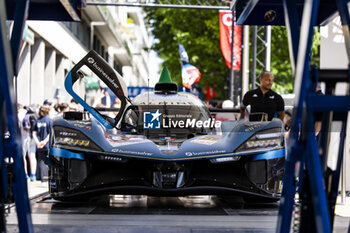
(117, 67)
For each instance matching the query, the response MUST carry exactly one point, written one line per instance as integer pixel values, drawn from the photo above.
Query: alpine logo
(272, 97)
(255, 95)
(151, 120)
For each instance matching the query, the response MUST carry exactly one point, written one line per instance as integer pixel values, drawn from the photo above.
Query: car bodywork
(162, 143)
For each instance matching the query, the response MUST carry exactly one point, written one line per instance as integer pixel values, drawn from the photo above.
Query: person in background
(263, 100)
(41, 135)
(212, 104)
(28, 144)
(117, 103)
(28, 148)
(60, 108)
(106, 99)
(287, 123)
(287, 120)
(21, 111)
(63, 107)
(227, 104)
(226, 116)
(74, 106)
(52, 112)
(100, 105)
(47, 102)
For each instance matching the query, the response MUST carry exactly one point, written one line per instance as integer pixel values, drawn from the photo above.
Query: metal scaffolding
(11, 156)
(181, 4)
(261, 46)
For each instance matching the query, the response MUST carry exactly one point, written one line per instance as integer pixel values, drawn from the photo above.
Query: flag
(190, 75)
(210, 93)
(225, 19)
(183, 54)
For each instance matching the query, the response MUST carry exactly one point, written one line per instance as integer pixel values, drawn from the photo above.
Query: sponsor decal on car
(104, 74)
(91, 60)
(115, 150)
(251, 126)
(69, 134)
(72, 141)
(124, 140)
(213, 152)
(82, 124)
(206, 140)
(168, 148)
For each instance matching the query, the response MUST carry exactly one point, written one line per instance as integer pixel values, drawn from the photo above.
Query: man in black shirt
(263, 100)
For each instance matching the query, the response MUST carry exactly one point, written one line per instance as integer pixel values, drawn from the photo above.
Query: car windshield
(167, 120)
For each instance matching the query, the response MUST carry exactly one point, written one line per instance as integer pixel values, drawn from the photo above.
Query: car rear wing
(106, 74)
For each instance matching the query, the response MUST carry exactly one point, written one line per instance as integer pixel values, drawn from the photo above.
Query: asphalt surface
(128, 214)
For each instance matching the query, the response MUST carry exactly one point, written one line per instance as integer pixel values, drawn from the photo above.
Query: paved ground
(128, 214)
(37, 188)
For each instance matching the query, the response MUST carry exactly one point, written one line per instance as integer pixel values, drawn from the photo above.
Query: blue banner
(183, 54)
(135, 91)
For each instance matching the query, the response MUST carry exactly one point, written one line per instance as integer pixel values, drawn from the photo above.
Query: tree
(198, 31)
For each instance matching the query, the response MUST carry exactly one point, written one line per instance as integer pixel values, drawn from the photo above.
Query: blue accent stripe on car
(63, 153)
(69, 87)
(270, 155)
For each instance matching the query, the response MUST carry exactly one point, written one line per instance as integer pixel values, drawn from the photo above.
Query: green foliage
(280, 61)
(198, 31)
(315, 48)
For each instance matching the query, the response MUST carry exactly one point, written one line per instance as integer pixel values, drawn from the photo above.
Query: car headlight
(72, 139)
(263, 140)
(225, 159)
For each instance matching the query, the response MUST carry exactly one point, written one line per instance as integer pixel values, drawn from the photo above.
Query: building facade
(51, 49)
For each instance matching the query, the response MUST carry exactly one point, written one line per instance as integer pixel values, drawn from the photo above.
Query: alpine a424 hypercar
(161, 143)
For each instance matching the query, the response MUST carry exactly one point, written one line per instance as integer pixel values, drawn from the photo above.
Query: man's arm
(280, 107)
(242, 112)
(318, 126)
(38, 143)
(245, 102)
(46, 140)
(280, 115)
(35, 137)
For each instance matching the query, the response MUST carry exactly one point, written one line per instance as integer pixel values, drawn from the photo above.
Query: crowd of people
(35, 125)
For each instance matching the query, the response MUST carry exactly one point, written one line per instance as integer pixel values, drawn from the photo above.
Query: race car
(161, 143)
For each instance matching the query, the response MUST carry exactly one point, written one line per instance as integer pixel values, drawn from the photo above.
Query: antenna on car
(148, 93)
(147, 131)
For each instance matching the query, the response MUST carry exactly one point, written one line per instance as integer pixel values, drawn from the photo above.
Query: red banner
(226, 37)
